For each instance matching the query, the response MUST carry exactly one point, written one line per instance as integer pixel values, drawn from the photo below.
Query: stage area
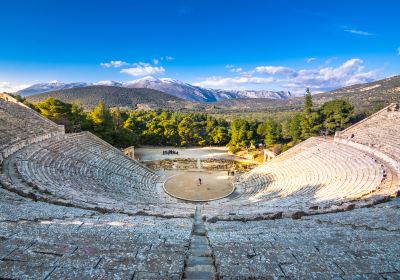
(150, 153)
(185, 185)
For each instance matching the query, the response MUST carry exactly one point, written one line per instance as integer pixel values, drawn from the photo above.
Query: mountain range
(367, 97)
(170, 86)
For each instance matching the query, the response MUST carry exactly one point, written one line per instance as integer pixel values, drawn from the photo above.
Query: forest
(123, 128)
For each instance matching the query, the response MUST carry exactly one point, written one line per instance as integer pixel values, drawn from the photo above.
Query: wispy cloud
(398, 51)
(233, 82)
(234, 69)
(114, 64)
(358, 32)
(274, 70)
(143, 69)
(310, 59)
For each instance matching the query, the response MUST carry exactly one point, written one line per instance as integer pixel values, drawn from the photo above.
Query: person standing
(199, 181)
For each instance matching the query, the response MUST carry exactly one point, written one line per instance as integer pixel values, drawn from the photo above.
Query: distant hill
(50, 86)
(365, 97)
(174, 87)
(114, 96)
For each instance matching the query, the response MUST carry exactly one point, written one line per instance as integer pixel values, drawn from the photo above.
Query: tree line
(123, 128)
(279, 136)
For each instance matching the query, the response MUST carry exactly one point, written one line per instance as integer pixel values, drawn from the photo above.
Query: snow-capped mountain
(230, 94)
(174, 87)
(194, 93)
(50, 86)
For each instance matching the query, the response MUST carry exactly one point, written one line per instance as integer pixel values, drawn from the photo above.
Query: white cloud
(321, 79)
(7, 87)
(155, 61)
(114, 64)
(143, 69)
(107, 83)
(274, 70)
(328, 78)
(233, 82)
(310, 59)
(359, 32)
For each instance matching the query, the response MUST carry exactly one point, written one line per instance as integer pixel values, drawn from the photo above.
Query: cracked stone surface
(59, 242)
(359, 244)
(67, 243)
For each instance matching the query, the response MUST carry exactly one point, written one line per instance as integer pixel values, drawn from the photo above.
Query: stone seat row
(15, 134)
(62, 170)
(380, 131)
(75, 244)
(323, 174)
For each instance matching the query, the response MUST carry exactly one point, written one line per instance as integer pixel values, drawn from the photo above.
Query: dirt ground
(185, 184)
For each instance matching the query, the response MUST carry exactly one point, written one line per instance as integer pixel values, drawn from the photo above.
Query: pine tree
(272, 133)
(310, 120)
(337, 114)
(102, 122)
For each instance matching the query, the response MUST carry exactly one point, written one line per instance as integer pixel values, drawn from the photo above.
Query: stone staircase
(200, 259)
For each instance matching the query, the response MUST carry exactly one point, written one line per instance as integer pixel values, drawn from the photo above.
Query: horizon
(262, 45)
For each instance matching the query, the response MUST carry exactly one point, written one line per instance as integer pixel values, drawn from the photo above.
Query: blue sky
(222, 44)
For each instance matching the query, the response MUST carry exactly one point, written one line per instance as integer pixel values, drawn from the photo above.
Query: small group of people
(170, 152)
(231, 173)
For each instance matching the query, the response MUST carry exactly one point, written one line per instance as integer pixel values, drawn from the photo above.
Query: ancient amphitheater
(74, 207)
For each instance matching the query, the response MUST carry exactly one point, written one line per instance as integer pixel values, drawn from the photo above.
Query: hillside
(365, 97)
(90, 96)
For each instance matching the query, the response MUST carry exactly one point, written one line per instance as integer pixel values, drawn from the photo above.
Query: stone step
(199, 275)
(193, 261)
(200, 253)
(199, 231)
(201, 268)
(198, 239)
(199, 263)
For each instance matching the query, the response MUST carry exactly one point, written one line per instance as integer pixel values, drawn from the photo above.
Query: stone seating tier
(15, 134)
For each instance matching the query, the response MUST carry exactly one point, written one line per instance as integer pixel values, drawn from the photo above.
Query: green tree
(241, 134)
(337, 114)
(310, 120)
(272, 133)
(102, 122)
(295, 127)
(55, 110)
(220, 135)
